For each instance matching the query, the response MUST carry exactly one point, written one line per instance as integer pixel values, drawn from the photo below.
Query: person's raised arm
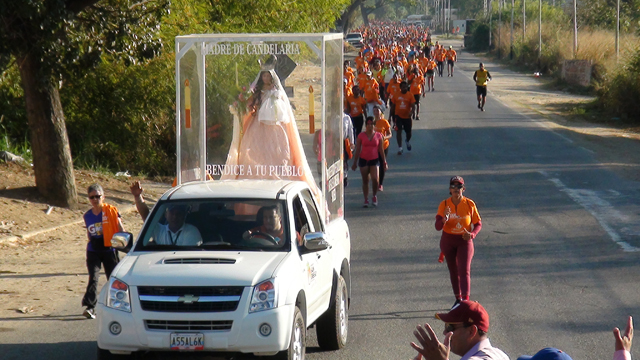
(356, 157)
(137, 190)
(623, 342)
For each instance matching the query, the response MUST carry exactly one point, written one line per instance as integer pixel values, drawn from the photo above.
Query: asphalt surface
(556, 263)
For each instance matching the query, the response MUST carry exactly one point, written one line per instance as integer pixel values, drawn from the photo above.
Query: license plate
(187, 341)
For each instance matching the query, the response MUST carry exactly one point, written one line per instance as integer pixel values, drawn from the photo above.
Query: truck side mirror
(122, 241)
(314, 241)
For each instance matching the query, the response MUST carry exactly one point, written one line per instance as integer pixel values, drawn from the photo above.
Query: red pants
(458, 253)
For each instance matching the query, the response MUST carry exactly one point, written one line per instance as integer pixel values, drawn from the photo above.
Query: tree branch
(76, 6)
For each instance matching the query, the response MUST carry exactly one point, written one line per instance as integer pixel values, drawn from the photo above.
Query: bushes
(620, 95)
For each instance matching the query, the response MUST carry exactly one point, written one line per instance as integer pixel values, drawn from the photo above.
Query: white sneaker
(89, 313)
(408, 146)
(399, 151)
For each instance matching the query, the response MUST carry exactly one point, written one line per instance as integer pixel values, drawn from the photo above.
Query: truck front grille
(190, 298)
(188, 325)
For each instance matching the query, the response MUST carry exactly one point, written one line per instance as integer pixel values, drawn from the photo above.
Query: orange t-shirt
(360, 62)
(423, 64)
(416, 85)
(393, 89)
(462, 216)
(451, 54)
(356, 105)
(371, 90)
(440, 54)
(350, 77)
(403, 104)
(384, 128)
(362, 78)
(431, 65)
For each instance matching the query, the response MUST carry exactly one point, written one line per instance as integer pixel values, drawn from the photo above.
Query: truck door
(316, 264)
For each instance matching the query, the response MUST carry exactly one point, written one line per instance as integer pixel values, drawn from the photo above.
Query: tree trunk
(348, 13)
(365, 14)
(52, 163)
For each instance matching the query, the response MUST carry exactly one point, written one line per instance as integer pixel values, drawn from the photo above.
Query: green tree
(51, 39)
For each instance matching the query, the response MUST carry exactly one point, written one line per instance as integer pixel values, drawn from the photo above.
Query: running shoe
(366, 203)
(408, 146)
(89, 313)
(380, 188)
(417, 118)
(375, 201)
(456, 303)
(400, 151)
(433, 89)
(481, 108)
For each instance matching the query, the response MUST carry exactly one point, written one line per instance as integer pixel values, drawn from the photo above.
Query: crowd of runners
(392, 72)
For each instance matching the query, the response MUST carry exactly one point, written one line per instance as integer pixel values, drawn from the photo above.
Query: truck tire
(297, 343)
(107, 355)
(333, 326)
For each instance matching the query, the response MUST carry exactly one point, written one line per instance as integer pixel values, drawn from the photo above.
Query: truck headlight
(264, 296)
(119, 297)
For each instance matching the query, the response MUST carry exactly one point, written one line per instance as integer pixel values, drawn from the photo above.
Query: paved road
(556, 264)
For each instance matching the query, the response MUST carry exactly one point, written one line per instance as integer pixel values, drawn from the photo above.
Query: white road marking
(601, 210)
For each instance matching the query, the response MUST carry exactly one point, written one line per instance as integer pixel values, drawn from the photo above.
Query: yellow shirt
(481, 77)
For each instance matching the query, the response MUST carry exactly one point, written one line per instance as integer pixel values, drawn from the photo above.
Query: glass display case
(262, 106)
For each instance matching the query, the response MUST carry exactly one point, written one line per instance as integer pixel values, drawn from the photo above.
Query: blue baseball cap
(547, 354)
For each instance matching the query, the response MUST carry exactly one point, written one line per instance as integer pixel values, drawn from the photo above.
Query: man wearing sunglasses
(466, 328)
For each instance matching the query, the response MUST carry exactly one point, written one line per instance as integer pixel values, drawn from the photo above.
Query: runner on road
(452, 57)
(405, 104)
(481, 77)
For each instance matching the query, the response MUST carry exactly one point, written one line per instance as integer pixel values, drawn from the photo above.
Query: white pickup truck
(224, 284)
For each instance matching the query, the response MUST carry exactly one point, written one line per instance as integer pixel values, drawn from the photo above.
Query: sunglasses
(452, 327)
(95, 197)
(456, 186)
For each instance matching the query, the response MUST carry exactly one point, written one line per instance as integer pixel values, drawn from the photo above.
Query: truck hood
(213, 268)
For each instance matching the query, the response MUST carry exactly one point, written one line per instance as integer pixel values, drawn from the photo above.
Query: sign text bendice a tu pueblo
(268, 171)
(251, 49)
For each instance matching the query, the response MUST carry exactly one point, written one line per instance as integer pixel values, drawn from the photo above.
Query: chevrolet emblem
(188, 299)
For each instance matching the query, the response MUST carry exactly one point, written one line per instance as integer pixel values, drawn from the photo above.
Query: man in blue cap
(547, 354)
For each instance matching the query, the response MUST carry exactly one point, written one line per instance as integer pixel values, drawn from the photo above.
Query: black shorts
(450, 62)
(363, 163)
(430, 73)
(405, 124)
(417, 97)
(481, 91)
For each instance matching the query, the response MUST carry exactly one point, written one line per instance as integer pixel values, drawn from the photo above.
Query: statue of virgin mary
(267, 139)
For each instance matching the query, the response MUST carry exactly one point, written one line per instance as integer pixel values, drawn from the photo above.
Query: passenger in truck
(176, 231)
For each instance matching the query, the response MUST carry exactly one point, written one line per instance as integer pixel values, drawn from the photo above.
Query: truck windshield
(214, 224)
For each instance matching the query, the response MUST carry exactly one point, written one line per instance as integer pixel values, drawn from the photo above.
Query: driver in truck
(271, 225)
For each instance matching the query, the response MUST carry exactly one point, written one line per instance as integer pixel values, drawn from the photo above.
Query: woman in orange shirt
(460, 222)
(383, 127)
(417, 87)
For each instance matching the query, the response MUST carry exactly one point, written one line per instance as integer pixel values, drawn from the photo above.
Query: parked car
(355, 39)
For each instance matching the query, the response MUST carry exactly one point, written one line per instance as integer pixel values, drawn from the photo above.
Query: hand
(354, 166)
(467, 235)
(386, 166)
(136, 189)
(447, 212)
(624, 342)
(424, 94)
(432, 348)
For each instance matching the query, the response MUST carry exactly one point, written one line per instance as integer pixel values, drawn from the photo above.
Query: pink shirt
(621, 355)
(369, 149)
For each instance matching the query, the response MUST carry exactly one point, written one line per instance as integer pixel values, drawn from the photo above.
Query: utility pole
(449, 18)
(490, 18)
(575, 29)
(511, 46)
(617, 30)
(524, 20)
(499, 28)
(540, 29)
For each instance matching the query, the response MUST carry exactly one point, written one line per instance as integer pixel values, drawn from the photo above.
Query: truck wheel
(298, 342)
(333, 326)
(107, 355)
